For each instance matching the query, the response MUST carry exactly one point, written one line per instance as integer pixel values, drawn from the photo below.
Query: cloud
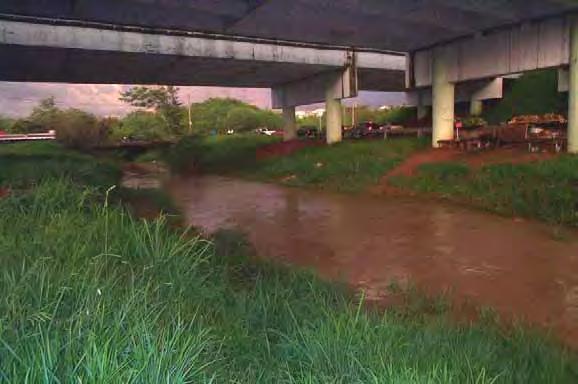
(18, 99)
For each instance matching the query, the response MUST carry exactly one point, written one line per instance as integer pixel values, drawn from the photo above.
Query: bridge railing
(50, 135)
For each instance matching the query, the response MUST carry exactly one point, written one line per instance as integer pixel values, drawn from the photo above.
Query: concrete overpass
(73, 51)
(449, 44)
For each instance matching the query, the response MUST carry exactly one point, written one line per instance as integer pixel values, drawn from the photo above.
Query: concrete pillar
(289, 124)
(422, 111)
(476, 107)
(443, 98)
(333, 117)
(573, 91)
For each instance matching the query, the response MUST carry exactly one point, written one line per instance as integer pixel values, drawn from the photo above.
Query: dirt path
(285, 148)
(474, 159)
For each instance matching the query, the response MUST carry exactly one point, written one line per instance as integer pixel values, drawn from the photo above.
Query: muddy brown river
(521, 269)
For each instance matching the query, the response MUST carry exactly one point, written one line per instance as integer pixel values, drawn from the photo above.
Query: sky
(18, 99)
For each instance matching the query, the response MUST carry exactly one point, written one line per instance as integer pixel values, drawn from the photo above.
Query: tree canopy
(217, 115)
(163, 99)
(140, 125)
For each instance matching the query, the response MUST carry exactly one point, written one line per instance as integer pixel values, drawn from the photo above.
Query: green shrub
(140, 125)
(534, 93)
(26, 126)
(79, 129)
(398, 115)
(26, 164)
(220, 153)
(6, 124)
(547, 190)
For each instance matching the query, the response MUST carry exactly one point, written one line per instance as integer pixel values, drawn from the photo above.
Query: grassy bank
(547, 190)
(217, 153)
(25, 164)
(348, 167)
(351, 166)
(91, 295)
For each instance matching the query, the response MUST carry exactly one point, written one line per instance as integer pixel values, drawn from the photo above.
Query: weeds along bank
(93, 295)
(547, 190)
(218, 153)
(23, 164)
(348, 166)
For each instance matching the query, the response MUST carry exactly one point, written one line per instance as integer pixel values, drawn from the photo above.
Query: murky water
(516, 267)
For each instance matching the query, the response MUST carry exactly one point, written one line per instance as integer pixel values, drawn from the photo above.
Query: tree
(140, 125)
(46, 114)
(79, 129)
(27, 126)
(211, 115)
(44, 117)
(270, 119)
(164, 100)
(6, 124)
(242, 119)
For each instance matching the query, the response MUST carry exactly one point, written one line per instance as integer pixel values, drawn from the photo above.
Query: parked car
(308, 132)
(266, 131)
(367, 129)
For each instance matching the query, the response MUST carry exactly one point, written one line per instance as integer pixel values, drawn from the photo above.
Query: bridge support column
(573, 91)
(443, 98)
(289, 124)
(333, 117)
(476, 107)
(422, 111)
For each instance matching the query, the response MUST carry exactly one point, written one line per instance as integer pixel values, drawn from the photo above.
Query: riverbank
(508, 182)
(531, 186)
(93, 295)
(346, 167)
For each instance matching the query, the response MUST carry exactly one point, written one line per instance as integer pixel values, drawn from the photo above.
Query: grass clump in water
(90, 294)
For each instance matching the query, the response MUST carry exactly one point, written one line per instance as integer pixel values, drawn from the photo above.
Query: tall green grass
(346, 167)
(546, 190)
(217, 153)
(25, 164)
(91, 295)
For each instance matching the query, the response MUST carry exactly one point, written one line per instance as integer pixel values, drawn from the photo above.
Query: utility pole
(353, 115)
(190, 120)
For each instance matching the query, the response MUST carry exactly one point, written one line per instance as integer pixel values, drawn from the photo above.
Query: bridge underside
(47, 64)
(401, 25)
